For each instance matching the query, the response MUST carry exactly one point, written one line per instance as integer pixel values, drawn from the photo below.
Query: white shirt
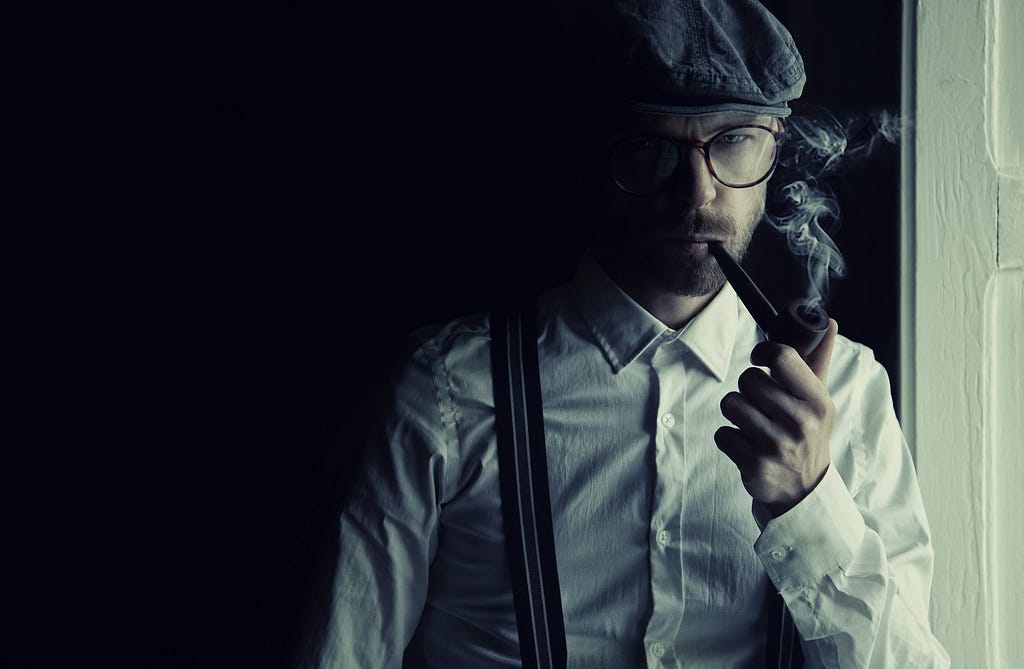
(662, 558)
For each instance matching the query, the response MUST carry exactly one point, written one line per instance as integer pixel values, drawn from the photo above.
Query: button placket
(667, 433)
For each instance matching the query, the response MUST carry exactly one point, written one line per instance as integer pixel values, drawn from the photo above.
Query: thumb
(821, 357)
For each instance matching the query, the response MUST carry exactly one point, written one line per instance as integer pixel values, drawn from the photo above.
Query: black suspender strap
(783, 649)
(525, 504)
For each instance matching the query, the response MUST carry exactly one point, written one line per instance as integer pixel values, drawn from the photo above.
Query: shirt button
(658, 648)
(668, 420)
(664, 537)
(777, 553)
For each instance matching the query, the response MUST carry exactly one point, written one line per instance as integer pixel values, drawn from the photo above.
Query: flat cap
(687, 56)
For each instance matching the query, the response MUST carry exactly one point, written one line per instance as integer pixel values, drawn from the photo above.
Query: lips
(676, 237)
(692, 240)
(694, 246)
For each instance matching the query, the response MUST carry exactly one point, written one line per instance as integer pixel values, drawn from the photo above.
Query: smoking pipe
(802, 324)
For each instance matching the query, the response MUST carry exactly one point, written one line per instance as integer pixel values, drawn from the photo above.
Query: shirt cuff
(819, 534)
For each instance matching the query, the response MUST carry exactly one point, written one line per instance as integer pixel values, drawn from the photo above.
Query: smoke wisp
(817, 148)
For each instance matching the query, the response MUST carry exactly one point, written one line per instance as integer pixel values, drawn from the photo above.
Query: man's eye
(734, 138)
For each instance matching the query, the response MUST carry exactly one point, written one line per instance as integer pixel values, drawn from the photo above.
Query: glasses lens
(644, 165)
(742, 156)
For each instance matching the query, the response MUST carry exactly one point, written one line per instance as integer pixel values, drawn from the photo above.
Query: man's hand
(784, 421)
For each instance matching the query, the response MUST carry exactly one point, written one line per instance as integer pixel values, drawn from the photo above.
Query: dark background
(301, 189)
(458, 211)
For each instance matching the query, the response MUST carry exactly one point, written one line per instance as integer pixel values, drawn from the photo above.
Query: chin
(701, 288)
(691, 279)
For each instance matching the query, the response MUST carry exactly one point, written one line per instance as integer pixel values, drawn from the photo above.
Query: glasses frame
(702, 146)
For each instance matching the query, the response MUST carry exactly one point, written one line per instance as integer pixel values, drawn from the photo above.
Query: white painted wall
(964, 312)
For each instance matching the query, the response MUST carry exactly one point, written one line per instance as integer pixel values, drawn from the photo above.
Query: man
(685, 484)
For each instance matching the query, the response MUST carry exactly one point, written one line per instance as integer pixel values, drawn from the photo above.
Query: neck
(673, 310)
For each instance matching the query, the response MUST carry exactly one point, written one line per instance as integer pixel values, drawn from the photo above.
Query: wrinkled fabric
(662, 557)
(688, 56)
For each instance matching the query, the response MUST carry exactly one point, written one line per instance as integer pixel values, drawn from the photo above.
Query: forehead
(683, 127)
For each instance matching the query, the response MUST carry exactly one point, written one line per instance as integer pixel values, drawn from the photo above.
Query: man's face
(661, 239)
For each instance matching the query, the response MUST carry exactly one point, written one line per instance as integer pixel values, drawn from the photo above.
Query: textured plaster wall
(965, 307)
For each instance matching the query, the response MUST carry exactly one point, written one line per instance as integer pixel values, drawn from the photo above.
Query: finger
(732, 442)
(769, 397)
(788, 369)
(821, 357)
(757, 427)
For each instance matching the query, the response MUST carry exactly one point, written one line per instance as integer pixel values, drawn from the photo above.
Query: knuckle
(804, 431)
(763, 351)
(792, 432)
(748, 378)
(769, 353)
(788, 356)
(783, 443)
(824, 411)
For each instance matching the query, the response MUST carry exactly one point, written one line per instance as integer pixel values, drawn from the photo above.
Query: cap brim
(780, 111)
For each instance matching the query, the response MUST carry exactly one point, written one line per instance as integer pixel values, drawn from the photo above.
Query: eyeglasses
(739, 157)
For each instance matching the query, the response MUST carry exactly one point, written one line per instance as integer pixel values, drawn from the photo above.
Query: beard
(640, 249)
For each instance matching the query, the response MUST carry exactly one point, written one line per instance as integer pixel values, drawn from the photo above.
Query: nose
(693, 184)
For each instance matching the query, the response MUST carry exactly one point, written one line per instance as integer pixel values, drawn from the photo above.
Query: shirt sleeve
(855, 568)
(388, 529)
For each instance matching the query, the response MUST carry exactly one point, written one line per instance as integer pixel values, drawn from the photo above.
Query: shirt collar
(624, 329)
(711, 335)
